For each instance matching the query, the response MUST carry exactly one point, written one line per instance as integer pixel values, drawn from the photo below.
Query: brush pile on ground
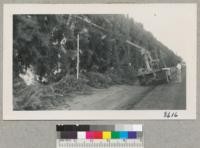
(42, 97)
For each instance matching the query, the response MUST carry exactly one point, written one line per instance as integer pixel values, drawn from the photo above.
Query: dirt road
(131, 97)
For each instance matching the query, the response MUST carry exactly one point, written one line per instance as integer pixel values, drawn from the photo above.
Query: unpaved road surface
(131, 97)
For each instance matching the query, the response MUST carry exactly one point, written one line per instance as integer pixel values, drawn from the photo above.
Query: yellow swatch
(106, 135)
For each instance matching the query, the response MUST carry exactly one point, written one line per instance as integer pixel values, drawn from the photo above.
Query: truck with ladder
(154, 72)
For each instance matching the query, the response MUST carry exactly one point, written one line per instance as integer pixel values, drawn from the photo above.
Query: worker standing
(178, 76)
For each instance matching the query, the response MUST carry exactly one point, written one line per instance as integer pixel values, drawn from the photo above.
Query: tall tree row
(47, 43)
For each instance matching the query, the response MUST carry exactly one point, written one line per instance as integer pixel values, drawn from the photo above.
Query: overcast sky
(172, 24)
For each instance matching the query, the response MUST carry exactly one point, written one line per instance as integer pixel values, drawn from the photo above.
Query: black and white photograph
(114, 57)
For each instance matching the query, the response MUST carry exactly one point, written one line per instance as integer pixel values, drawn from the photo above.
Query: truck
(154, 72)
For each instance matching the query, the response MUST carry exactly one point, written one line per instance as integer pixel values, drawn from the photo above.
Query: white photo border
(9, 114)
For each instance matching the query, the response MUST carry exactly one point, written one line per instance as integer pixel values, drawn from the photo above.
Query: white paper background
(9, 114)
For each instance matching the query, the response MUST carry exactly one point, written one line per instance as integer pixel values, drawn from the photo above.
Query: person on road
(178, 76)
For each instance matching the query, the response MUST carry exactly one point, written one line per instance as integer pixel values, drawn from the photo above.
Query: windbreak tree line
(48, 44)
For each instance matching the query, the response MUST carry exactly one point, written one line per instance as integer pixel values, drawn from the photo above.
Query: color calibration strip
(101, 136)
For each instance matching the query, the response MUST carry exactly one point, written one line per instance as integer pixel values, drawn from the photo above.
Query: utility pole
(78, 58)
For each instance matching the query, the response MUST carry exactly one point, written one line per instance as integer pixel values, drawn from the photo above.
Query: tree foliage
(48, 43)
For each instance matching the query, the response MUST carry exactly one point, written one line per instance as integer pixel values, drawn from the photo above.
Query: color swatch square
(123, 135)
(97, 135)
(132, 135)
(115, 135)
(81, 135)
(89, 135)
(106, 135)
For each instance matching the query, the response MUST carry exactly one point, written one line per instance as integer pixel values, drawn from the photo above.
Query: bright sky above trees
(172, 24)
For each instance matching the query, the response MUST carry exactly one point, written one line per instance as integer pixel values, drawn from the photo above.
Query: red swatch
(97, 135)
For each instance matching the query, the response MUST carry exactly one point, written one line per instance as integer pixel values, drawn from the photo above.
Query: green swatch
(115, 135)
